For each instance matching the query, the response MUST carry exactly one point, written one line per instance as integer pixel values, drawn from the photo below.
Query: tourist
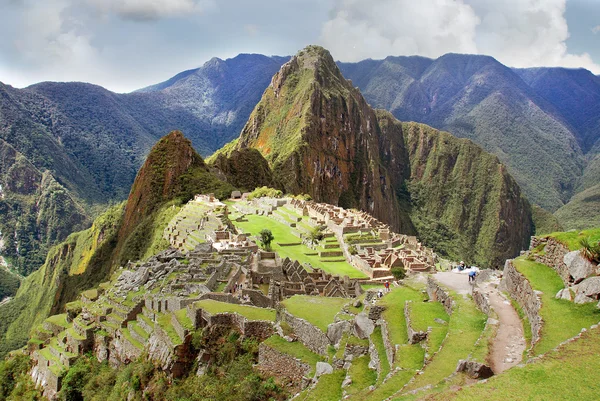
(472, 275)
(461, 266)
(387, 286)
(380, 294)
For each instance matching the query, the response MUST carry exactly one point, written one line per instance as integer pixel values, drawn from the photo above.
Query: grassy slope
(76, 264)
(250, 312)
(282, 234)
(582, 211)
(295, 349)
(572, 238)
(562, 319)
(569, 373)
(544, 221)
(320, 311)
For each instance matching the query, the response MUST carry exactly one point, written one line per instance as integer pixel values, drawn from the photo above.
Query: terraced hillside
(431, 336)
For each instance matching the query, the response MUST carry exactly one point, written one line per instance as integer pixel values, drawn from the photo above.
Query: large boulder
(579, 267)
(474, 370)
(336, 330)
(363, 326)
(588, 290)
(565, 294)
(323, 368)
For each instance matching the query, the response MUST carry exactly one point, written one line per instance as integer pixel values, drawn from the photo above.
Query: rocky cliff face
(173, 171)
(319, 136)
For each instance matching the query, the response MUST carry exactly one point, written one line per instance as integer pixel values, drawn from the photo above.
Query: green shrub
(398, 272)
(265, 192)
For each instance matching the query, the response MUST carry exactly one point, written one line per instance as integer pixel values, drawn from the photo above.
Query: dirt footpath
(507, 347)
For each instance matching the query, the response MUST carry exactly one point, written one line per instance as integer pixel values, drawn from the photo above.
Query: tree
(266, 237)
(398, 272)
(316, 235)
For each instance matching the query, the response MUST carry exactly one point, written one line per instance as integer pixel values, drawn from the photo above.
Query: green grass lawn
(570, 373)
(283, 234)
(562, 319)
(422, 315)
(465, 327)
(329, 388)
(250, 312)
(319, 311)
(295, 349)
(572, 238)
(59, 320)
(164, 321)
(362, 377)
(394, 314)
(384, 368)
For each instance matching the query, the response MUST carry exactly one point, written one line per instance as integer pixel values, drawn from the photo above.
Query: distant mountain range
(543, 123)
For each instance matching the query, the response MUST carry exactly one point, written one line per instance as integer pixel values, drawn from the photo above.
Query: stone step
(145, 323)
(115, 319)
(109, 327)
(137, 332)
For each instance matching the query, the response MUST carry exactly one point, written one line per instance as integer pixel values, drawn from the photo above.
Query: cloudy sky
(127, 44)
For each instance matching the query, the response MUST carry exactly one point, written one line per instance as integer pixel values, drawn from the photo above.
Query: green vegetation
(266, 237)
(283, 234)
(465, 328)
(562, 319)
(572, 239)
(544, 221)
(319, 311)
(265, 192)
(566, 374)
(79, 263)
(296, 349)
(9, 284)
(362, 377)
(384, 363)
(328, 388)
(249, 312)
(15, 381)
(582, 211)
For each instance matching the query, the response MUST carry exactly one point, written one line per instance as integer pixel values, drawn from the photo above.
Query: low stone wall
(280, 365)
(233, 280)
(554, 254)
(481, 301)
(217, 296)
(309, 335)
(179, 329)
(414, 336)
(257, 298)
(259, 329)
(520, 290)
(436, 293)
(390, 350)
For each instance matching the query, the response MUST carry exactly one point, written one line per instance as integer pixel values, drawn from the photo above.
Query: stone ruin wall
(520, 290)
(437, 293)
(281, 365)
(481, 301)
(554, 256)
(309, 335)
(414, 336)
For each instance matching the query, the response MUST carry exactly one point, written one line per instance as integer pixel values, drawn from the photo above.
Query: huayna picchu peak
(320, 137)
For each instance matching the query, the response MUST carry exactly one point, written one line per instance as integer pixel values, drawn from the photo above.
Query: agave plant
(590, 249)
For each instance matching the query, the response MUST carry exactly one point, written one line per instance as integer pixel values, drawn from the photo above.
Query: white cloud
(519, 33)
(596, 29)
(147, 10)
(379, 28)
